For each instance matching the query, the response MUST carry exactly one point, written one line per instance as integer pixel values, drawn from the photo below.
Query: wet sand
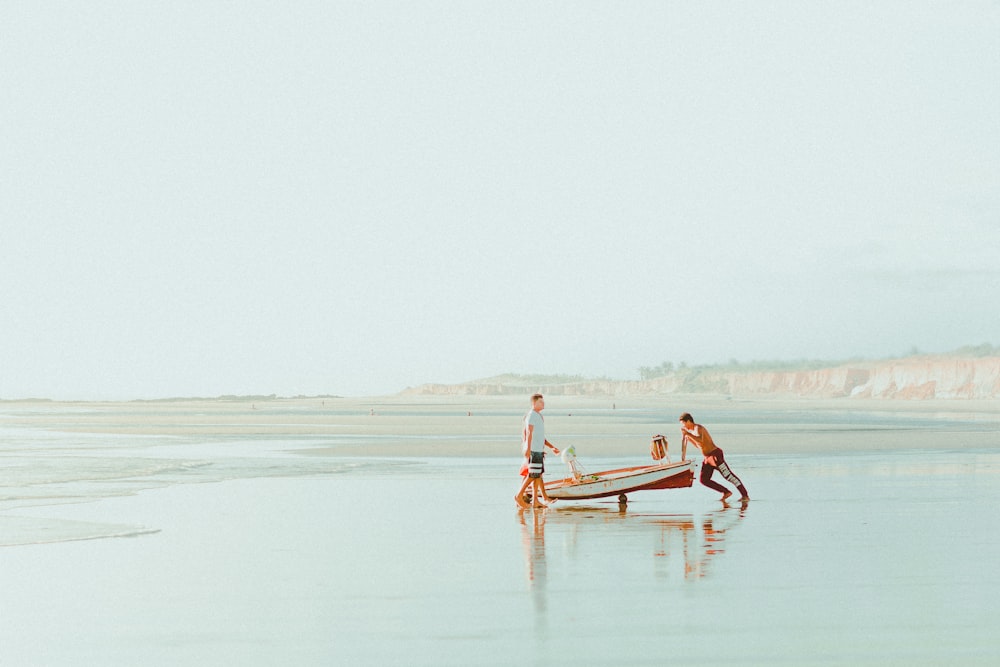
(882, 554)
(837, 560)
(490, 426)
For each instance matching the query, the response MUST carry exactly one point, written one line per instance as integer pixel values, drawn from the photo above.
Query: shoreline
(477, 427)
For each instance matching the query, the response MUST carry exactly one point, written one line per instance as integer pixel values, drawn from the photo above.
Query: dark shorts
(537, 464)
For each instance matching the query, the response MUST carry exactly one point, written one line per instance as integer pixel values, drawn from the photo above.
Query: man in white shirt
(533, 444)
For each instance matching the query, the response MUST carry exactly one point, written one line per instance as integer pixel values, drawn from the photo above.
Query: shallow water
(841, 559)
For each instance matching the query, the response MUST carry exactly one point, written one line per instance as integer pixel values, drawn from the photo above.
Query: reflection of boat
(622, 481)
(680, 544)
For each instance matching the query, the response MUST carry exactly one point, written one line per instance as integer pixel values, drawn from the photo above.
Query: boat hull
(624, 480)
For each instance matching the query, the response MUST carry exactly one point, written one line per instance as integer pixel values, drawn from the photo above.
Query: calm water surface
(877, 559)
(244, 552)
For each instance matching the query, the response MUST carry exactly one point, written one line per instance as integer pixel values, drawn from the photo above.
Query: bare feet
(520, 502)
(745, 499)
(725, 495)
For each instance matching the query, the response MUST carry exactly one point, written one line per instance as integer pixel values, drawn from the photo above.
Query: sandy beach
(382, 531)
(490, 426)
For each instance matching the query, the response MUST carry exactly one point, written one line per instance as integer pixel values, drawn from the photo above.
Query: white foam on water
(24, 530)
(50, 468)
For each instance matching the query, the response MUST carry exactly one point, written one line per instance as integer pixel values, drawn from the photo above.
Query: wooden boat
(623, 481)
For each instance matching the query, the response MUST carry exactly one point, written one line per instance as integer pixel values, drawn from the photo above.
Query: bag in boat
(658, 448)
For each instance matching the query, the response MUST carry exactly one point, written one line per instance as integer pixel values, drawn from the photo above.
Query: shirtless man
(714, 458)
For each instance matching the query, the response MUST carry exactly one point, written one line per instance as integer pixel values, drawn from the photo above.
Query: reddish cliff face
(915, 378)
(923, 377)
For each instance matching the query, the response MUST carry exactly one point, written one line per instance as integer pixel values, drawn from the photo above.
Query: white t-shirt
(538, 434)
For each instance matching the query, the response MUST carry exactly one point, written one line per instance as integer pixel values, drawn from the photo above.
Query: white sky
(204, 198)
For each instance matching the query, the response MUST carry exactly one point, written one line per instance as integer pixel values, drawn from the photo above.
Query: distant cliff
(917, 377)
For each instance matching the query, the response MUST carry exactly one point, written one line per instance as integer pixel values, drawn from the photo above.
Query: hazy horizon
(202, 199)
(754, 365)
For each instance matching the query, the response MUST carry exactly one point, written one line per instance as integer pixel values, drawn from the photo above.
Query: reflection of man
(713, 529)
(714, 458)
(533, 541)
(534, 444)
(534, 545)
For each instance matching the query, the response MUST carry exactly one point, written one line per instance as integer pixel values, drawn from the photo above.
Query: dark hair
(686, 417)
(535, 397)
